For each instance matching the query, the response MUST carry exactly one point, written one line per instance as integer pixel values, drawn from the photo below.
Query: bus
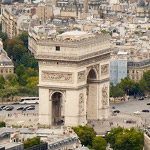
(29, 100)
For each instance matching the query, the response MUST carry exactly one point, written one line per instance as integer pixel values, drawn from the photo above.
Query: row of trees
(17, 50)
(25, 79)
(118, 138)
(130, 87)
(23, 83)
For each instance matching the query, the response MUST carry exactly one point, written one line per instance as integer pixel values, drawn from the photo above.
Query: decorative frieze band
(57, 76)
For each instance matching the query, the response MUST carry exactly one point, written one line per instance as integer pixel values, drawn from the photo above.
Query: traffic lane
(4, 112)
(133, 105)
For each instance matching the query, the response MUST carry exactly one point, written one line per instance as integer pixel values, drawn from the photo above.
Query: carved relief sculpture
(104, 69)
(105, 95)
(81, 76)
(56, 76)
(81, 103)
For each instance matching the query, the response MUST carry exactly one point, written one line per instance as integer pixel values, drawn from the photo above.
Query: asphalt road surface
(133, 105)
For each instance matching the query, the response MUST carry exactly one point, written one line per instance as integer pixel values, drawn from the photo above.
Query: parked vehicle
(141, 98)
(20, 108)
(29, 100)
(145, 96)
(9, 109)
(2, 106)
(145, 110)
(148, 103)
(116, 111)
(137, 112)
(30, 108)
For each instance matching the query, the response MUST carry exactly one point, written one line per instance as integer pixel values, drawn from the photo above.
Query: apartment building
(17, 18)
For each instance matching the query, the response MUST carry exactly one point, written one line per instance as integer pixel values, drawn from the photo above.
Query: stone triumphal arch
(73, 76)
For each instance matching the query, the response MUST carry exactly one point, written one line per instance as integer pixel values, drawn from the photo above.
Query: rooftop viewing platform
(74, 45)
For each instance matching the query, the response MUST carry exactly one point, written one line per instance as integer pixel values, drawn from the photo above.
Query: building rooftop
(75, 35)
(10, 145)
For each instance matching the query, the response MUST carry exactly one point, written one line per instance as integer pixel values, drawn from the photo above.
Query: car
(9, 109)
(148, 103)
(145, 110)
(137, 112)
(2, 106)
(20, 108)
(141, 98)
(1, 109)
(30, 108)
(145, 96)
(116, 111)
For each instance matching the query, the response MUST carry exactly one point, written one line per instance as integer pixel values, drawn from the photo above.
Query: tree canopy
(130, 87)
(125, 139)
(86, 134)
(99, 143)
(31, 142)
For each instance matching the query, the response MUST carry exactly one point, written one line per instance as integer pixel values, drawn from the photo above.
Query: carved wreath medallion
(104, 69)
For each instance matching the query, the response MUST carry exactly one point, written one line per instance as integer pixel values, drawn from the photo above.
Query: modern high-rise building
(118, 67)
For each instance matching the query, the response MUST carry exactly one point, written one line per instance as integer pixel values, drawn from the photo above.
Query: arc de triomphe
(73, 76)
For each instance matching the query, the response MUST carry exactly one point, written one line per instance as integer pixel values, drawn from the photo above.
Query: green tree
(24, 38)
(18, 51)
(2, 124)
(12, 79)
(8, 92)
(143, 86)
(125, 139)
(3, 36)
(146, 77)
(111, 137)
(32, 81)
(127, 85)
(116, 91)
(29, 61)
(21, 72)
(86, 134)
(99, 143)
(10, 45)
(2, 82)
(31, 142)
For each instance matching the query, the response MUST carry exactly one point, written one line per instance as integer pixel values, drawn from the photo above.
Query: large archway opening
(57, 109)
(91, 95)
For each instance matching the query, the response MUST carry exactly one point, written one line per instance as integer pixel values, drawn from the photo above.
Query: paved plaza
(127, 109)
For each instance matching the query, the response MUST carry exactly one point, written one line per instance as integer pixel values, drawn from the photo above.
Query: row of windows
(133, 71)
(6, 70)
(115, 71)
(133, 78)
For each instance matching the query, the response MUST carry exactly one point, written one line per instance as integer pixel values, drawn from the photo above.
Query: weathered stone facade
(73, 77)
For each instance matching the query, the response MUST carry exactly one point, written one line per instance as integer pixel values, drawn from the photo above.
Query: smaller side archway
(92, 95)
(57, 108)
